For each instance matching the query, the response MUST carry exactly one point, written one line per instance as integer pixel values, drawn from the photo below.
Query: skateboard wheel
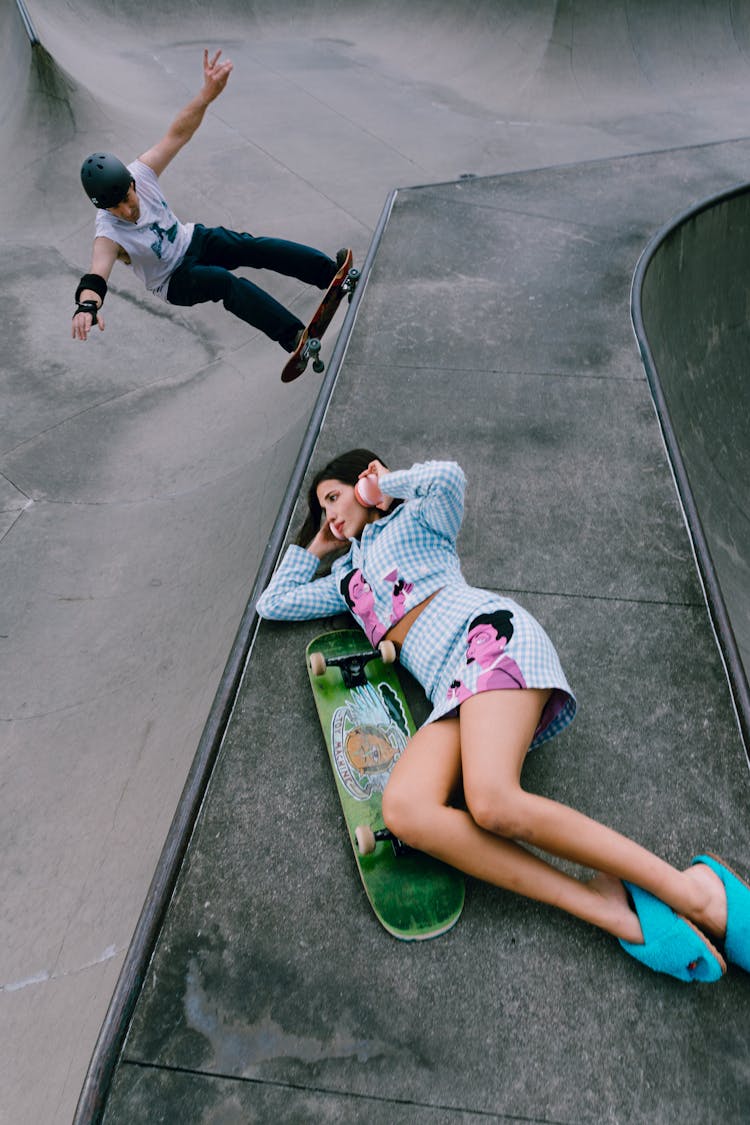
(365, 839)
(317, 664)
(318, 366)
(387, 652)
(351, 283)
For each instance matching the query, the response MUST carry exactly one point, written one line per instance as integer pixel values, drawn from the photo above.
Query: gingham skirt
(443, 651)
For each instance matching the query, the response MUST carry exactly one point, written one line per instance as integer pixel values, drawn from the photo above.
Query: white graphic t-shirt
(157, 243)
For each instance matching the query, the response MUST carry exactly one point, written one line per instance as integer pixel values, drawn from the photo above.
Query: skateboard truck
(311, 351)
(350, 282)
(353, 665)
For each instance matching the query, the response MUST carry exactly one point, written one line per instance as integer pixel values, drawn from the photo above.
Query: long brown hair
(347, 468)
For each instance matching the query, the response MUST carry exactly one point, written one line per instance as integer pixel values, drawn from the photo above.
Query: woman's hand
(325, 542)
(378, 469)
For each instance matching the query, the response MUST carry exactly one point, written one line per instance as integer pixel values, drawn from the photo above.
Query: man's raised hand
(215, 75)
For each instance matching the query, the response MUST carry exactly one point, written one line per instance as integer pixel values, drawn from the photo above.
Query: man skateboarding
(185, 263)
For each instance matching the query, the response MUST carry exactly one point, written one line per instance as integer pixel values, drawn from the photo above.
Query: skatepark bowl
(500, 168)
(690, 311)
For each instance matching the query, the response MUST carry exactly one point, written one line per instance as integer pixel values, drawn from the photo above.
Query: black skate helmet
(105, 179)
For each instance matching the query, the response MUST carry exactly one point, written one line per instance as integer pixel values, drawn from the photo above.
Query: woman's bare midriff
(397, 633)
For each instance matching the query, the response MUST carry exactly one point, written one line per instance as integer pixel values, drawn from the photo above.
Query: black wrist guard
(95, 282)
(89, 307)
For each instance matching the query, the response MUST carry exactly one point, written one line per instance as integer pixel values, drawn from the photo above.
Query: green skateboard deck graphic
(366, 727)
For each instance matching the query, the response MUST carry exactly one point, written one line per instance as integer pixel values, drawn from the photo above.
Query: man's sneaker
(292, 345)
(341, 256)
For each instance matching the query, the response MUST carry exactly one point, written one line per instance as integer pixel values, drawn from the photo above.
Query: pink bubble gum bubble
(367, 491)
(336, 534)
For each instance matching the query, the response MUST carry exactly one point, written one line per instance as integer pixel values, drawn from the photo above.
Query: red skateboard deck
(343, 285)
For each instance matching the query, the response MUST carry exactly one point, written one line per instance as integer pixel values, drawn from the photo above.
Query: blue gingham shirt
(399, 560)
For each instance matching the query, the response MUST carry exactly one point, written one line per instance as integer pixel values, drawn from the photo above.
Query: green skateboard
(366, 724)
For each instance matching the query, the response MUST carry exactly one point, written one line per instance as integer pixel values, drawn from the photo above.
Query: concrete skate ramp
(690, 311)
(140, 474)
(272, 990)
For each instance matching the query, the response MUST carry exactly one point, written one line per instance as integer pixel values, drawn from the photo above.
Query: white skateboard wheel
(365, 839)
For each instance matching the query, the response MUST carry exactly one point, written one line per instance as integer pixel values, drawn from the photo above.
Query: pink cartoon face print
(488, 636)
(485, 645)
(361, 601)
(362, 597)
(399, 593)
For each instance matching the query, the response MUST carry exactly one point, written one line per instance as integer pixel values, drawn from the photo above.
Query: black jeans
(204, 275)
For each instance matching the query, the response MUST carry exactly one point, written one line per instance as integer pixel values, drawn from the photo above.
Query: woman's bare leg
(494, 728)
(486, 750)
(415, 808)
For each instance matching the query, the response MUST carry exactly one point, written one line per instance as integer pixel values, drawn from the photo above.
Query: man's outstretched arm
(103, 258)
(215, 78)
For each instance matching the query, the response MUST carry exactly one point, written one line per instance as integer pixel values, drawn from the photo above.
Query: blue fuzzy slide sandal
(737, 939)
(671, 944)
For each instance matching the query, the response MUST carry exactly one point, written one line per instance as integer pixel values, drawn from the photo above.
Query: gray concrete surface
(141, 472)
